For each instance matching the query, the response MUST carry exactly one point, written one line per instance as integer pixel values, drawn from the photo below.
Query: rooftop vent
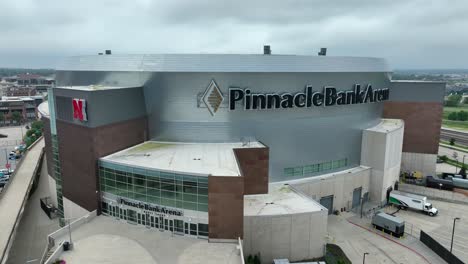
(108, 52)
(323, 52)
(266, 50)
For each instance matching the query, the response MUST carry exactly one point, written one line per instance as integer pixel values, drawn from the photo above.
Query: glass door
(148, 220)
(179, 226)
(131, 216)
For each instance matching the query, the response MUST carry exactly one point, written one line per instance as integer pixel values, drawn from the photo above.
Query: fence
(440, 250)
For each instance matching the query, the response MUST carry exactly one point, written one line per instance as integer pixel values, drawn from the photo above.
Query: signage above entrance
(151, 207)
(330, 96)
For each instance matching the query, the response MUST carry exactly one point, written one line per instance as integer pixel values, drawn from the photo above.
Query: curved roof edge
(222, 63)
(43, 109)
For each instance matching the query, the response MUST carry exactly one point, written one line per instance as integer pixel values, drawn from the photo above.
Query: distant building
(26, 84)
(25, 105)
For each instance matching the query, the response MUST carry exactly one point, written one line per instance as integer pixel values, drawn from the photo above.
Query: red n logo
(79, 109)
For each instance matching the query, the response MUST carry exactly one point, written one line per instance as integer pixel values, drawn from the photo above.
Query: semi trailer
(413, 201)
(389, 223)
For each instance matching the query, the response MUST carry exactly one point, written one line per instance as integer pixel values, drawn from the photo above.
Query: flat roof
(204, 159)
(222, 63)
(93, 87)
(387, 125)
(280, 200)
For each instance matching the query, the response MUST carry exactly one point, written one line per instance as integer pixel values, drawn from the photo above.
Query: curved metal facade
(296, 136)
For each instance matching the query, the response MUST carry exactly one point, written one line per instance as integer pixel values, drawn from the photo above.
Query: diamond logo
(213, 97)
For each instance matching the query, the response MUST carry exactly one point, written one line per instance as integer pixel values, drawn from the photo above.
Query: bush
(462, 115)
(452, 116)
(444, 158)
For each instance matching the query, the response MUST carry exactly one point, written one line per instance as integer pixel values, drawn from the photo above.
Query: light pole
(364, 257)
(453, 232)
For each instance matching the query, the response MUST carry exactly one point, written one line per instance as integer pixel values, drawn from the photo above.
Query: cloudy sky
(409, 33)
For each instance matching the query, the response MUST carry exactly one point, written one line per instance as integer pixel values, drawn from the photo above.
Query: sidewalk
(11, 201)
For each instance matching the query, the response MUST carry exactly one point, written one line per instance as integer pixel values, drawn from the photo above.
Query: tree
(452, 141)
(16, 116)
(453, 100)
(463, 171)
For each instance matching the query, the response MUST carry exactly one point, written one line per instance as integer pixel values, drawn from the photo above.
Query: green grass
(461, 125)
(448, 109)
(455, 145)
(147, 146)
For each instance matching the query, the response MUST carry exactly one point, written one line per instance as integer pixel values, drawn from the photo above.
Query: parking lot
(7, 144)
(382, 248)
(440, 226)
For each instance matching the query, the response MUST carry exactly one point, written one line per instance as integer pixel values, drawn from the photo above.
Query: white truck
(413, 201)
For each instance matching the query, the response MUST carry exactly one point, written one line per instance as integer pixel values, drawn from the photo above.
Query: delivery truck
(413, 201)
(389, 224)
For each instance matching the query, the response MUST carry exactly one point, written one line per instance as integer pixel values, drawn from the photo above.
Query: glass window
(202, 229)
(203, 199)
(202, 191)
(203, 207)
(298, 171)
(151, 183)
(326, 165)
(153, 192)
(288, 172)
(190, 206)
(190, 197)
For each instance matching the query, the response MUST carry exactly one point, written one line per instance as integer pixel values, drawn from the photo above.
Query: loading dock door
(327, 202)
(357, 197)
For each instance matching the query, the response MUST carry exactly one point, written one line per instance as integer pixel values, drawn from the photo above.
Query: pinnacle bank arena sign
(328, 97)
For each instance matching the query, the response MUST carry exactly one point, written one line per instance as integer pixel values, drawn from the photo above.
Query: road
(12, 198)
(459, 136)
(31, 237)
(440, 226)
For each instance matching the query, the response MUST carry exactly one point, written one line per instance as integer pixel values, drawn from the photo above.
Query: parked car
(4, 181)
(5, 172)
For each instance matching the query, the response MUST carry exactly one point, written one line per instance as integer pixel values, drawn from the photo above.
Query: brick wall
(422, 124)
(254, 164)
(80, 147)
(225, 207)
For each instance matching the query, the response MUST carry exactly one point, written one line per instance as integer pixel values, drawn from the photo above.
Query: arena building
(220, 147)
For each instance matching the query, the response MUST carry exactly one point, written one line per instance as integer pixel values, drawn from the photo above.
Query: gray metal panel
(327, 202)
(356, 197)
(296, 137)
(417, 91)
(222, 63)
(103, 107)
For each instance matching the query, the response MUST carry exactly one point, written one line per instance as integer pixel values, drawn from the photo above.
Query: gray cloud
(410, 34)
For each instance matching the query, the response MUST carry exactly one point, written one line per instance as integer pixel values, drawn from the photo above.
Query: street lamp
(453, 232)
(364, 258)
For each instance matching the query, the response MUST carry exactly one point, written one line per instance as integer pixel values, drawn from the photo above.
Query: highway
(460, 137)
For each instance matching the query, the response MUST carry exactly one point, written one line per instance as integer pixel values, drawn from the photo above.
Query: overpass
(15, 195)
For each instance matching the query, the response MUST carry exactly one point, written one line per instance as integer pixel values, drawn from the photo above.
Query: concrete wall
(424, 163)
(294, 236)
(72, 210)
(341, 185)
(52, 189)
(381, 150)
